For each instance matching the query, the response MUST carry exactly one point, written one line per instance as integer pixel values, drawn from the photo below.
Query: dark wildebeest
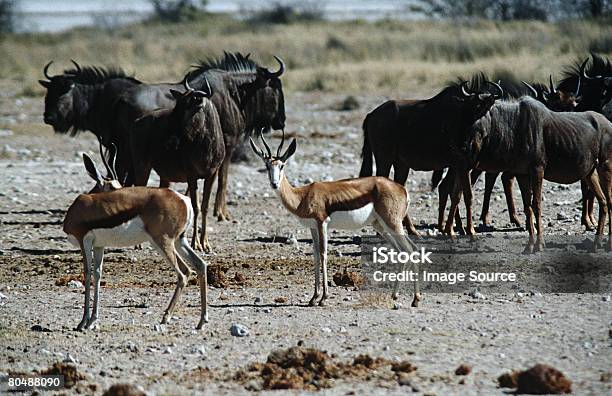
(534, 143)
(595, 95)
(83, 99)
(556, 100)
(183, 144)
(408, 134)
(247, 96)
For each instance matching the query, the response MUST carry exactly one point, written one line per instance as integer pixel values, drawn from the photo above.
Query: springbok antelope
(343, 204)
(110, 215)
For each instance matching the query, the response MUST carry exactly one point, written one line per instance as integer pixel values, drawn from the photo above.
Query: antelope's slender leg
(490, 178)
(193, 195)
(165, 247)
(190, 257)
(400, 176)
(323, 259)
(207, 189)
(221, 197)
(86, 250)
(316, 253)
(525, 187)
(98, 254)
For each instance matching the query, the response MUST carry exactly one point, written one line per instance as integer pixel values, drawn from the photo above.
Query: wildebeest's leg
(400, 176)
(537, 179)
(314, 232)
(490, 178)
(605, 177)
(207, 189)
(383, 166)
(444, 191)
(587, 195)
(525, 187)
(193, 195)
(455, 199)
(592, 182)
(220, 200)
(466, 187)
(507, 182)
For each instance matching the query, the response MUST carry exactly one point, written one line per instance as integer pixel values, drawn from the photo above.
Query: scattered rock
(239, 278)
(403, 367)
(40, 329)
(238, 330)
(348, 278)
(476, 294)
(74, 284)
(66, 279)
(68, 370)
(463, 369)
(397, 306)
(216, 277)
(69, 359)
(124, 390)
(562, 216)
(258, 300)
(539, 380)
(280, 300)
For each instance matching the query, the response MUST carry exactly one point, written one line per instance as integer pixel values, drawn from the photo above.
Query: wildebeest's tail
(366, 152)
(436, 177)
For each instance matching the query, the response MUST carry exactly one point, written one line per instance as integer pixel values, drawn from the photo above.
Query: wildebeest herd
(188, 131)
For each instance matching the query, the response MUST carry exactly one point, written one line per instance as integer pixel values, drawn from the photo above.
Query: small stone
(397, 306)
(198, 350)
(605, 298)
(326, 330)
(476, 294)
(342, 329)
(168, 350)
(258, 300)
(69, 359)
(74, 284)
(238, 330)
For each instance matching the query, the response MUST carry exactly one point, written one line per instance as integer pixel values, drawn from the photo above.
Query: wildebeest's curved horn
(280, 70)
(266, 144)
(278, 150)
(464, 92)
(498, 87)
(552, 86)
(46, 70)
(531, 88)
(208, 91)
(76, 65)
(186, 83)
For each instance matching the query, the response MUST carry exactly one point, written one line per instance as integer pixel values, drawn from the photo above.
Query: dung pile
(541, 379)
(348, 278)
(311, 369)
(69, 371)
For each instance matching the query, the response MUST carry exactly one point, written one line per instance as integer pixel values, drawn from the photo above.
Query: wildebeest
(246, 95)
(414, 134)
(83, 98)
(534, 143)
(182, 144)
(556, 100)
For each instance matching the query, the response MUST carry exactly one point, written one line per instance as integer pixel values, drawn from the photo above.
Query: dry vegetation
(386, 57)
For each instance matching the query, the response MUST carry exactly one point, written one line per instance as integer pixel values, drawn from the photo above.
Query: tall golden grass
(408, 59)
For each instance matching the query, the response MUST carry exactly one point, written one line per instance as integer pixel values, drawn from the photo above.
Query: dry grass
(388, 57)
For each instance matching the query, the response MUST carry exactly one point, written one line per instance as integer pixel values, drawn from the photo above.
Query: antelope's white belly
(350, 219)
(130, 233)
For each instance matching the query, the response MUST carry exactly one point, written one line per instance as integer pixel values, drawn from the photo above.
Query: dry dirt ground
(41, 173)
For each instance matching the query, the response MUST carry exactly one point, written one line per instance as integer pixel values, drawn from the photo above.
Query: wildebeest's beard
(265, 103)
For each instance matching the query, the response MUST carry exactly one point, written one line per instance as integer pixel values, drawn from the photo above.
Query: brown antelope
(113, 216)
(342, 204)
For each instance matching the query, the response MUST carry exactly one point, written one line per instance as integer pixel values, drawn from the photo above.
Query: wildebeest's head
(59, 100)
(264, 98)
(475, 104)
(191, 100)
(596, 82)
(555, 99)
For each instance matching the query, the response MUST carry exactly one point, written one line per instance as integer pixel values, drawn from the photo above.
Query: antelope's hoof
(528, 249)
(313, 301)
(322, 303)
(415, 302)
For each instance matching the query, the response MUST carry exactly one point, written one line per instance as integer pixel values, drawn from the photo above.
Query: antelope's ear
(176, 94)
(290, 150)
(45, 83)
(91, 168)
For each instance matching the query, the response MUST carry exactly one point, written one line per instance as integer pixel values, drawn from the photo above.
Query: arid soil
(267, 261)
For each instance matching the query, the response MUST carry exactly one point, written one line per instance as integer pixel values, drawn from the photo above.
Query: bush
(175, 11)
(349, 103)
(601, 44)
(282, 13)
(7, 16)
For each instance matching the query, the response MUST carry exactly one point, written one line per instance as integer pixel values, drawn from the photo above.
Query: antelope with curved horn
(110, 215)
(343, 204)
